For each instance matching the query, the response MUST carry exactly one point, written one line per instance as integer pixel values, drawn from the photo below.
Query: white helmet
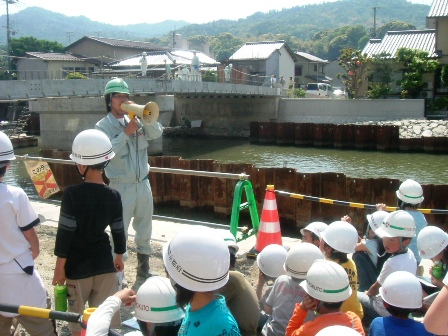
(91, 147)
(300, 258)
(338, 330)
(197, 259)
(410, 192)
(327, 281)
(315, 227)
(397, 224)
(402, 289)
(6, 149)
(376, 219)
(431, 241)
(341, 236)
(229, 239)
(270, 261)
(156, 301)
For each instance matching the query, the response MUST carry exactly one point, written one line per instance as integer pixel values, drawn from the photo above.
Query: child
(311, 233)
(156, 311)
(432, 244)
(339, 239)
(287, 290)
(396, 231)
(401, 294)
(327, 286)
(239, 293)
(84, 256)
(19, 246)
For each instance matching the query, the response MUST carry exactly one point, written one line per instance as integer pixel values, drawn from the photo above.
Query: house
(107, 50)
(156, 60)
(310, 69)
(41, 65)
(432, 40)
(258, 61)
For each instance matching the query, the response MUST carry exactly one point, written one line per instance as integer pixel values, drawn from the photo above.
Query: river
(425, 168)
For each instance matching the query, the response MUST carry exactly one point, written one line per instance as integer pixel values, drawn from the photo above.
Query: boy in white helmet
(327, 287)
(401, 294)
(19, 246)
(396, 231)
(84, 257)
(312, 232)
(287, 292)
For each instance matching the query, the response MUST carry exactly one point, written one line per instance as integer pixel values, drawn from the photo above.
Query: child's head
(299, 259)
(401, 293)
(397, 231)
(92, 150)
(327, 283)
(156, 304)
(312, 232)
(432, 243)
(339, 239)
(375, 220)
(410, 194)
(270, 261)
(6, 153)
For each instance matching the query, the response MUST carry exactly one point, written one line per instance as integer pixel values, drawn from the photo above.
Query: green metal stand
(237, 207)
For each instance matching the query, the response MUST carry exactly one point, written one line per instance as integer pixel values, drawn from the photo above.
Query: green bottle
(437, 270)
(60, 298)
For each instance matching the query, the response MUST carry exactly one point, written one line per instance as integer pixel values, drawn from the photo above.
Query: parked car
(338, 93)
(319, 90)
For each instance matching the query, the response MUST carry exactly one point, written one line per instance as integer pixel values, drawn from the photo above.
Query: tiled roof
(310, 57)
(121, 43)
(256, 50)
(54, 56)
(439, 8)
(393, 40)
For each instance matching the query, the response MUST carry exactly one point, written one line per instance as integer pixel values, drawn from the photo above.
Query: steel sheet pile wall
(343, 136)
(216, 194)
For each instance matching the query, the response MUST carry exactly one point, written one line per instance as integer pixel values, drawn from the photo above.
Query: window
(298, 71)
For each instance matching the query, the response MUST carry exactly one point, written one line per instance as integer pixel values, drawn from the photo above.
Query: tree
(197, 41)
(444, 75)
(31, 44)
(224, 45)
(357, 67)
(393, 26)
(417, 63)
(380, 76)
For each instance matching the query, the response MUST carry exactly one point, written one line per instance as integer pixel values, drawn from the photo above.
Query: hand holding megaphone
(148, 113)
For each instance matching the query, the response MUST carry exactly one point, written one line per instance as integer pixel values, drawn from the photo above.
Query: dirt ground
(46, 261)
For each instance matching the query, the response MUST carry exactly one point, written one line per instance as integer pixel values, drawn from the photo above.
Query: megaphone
(148, 113)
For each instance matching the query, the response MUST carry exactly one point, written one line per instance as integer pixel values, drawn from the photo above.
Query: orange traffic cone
(269, 231)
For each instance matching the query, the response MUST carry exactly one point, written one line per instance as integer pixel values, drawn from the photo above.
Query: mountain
(302, 22)
(47, 25)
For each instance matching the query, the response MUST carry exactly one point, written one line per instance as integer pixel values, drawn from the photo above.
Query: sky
(144, 11)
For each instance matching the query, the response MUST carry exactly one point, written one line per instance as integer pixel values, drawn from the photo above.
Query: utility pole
(374, 21)
(69, 35)
(174, 37)
(8, 31)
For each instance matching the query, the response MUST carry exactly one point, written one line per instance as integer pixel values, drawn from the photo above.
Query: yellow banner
(42, 177)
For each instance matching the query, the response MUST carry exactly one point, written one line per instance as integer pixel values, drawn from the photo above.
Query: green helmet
(116, 85)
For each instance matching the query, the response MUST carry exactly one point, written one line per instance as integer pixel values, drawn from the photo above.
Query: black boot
(143, 271)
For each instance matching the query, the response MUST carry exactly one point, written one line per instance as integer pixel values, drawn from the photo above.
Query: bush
(210, 76)
(75, 75)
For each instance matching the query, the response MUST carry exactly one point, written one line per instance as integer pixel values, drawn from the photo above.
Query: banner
(42, 177)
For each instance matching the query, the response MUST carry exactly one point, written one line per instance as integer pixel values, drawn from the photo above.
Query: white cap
(402, 289)
(341, 236)
(270, 261)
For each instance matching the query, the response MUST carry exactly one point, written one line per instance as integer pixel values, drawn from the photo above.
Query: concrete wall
(335, 111)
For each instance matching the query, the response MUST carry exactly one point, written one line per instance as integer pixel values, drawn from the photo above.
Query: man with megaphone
(128, 170)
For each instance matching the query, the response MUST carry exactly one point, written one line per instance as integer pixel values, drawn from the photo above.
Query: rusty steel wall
(368, 137)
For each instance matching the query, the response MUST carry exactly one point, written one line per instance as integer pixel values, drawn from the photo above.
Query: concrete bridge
(51, 88)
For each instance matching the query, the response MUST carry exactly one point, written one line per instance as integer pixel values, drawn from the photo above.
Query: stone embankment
(412, 128)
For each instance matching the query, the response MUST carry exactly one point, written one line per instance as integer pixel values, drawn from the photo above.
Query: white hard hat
(229, 239)
(300, 258)
(397, 224)
(156, 301)
(402, 289)
(197, 259)
(6, 149)
(341, 236)
(315, 227)
(410, 192)
(327, 281)
(270, 261)
(91, 147)
(431, 241)
(376, 219)
(338, 330)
